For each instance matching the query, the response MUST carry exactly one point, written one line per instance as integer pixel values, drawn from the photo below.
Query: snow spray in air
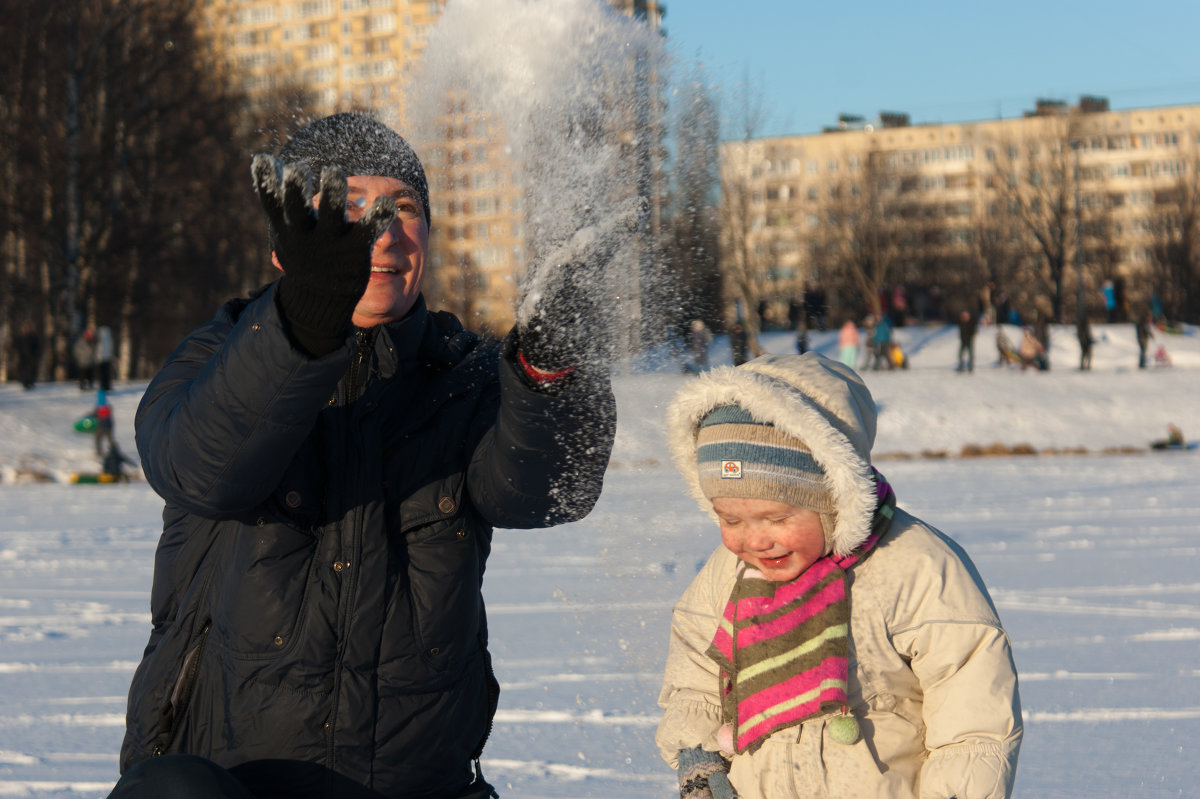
(569, 84)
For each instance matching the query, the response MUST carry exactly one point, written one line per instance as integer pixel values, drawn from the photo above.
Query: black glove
(565, 315)
(326, 260)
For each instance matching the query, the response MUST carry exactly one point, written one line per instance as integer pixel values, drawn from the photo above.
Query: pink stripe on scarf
(763, 701)
(786, 592)
(757, 633)
(724, 643)
(798, 713)
(830, 667)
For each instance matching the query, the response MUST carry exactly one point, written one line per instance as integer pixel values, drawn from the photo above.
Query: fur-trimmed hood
(820, 401)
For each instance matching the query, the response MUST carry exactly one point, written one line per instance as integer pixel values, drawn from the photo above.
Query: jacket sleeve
(543, 458)
(961, 655)
(689, 697)
(220, 422)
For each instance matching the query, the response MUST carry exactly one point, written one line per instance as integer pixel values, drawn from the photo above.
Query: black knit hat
(358, 145)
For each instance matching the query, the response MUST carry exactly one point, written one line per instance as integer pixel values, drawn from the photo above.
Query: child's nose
(757, 540)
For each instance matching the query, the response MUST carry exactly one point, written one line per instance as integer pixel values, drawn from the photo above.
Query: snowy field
(1091, 550)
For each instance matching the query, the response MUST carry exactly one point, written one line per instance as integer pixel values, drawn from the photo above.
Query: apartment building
(344, 54)
(958, 205)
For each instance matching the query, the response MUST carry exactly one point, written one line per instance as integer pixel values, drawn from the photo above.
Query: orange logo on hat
(731, 470)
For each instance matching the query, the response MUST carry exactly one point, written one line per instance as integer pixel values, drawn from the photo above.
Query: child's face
(778, 539)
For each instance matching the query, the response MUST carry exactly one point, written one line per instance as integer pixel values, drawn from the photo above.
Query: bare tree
(1037, 178)
(127, 158)
(869, 220)
(1174, 225)
(743, 265)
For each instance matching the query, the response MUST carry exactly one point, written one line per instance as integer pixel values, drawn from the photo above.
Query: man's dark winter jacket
(317, 613)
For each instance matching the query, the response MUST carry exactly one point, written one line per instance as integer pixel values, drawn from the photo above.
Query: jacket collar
(402, 340)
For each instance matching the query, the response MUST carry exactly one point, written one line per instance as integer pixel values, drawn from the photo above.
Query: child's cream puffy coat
(932, 681)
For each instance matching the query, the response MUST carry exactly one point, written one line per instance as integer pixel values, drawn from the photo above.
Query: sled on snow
(92, 478)
(1173, 441)
(1165, 446)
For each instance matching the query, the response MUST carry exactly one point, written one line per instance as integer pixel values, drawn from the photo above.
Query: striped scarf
(783, 648)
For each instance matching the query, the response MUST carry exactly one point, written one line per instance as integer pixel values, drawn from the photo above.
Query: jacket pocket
(260, 595)
(445, 575)
(434, 617)
(173, 710)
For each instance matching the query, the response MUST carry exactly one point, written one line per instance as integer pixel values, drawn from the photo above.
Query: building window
(381, 23)
(321, 52)
(312, 8)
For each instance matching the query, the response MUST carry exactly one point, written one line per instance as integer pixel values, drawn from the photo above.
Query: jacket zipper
(356, 374)
(493, 698)
(181, 694)
(354, 384)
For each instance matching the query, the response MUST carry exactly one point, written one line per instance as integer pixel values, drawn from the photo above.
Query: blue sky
(938, 61)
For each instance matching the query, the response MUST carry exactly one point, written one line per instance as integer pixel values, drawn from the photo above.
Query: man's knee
(178, 777)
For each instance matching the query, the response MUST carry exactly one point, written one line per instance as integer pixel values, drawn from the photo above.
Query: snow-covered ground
(1093, 558)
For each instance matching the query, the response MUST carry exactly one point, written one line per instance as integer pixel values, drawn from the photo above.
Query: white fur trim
(782, 390)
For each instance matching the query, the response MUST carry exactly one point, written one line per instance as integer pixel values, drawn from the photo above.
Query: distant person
(1004, 348)
(104, 357)
(848, 343)
(881, 344)
(1041, 331)
(1004, 309)
(1144, 330)
(899, 306)
(698, 340)
(114, 463)
(802, 334)
(1174, 439)
(84, 352)
(29, 353)
(1109, 292)
(1031, 351)
(967, 326)
(795, 312)
(986, 310)
(103, 431)
(1120, 300)
(1083, 329)
(815, 306)
(834, 644)
(739, 343)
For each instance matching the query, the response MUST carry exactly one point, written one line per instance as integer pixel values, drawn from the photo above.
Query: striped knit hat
(739, 456)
